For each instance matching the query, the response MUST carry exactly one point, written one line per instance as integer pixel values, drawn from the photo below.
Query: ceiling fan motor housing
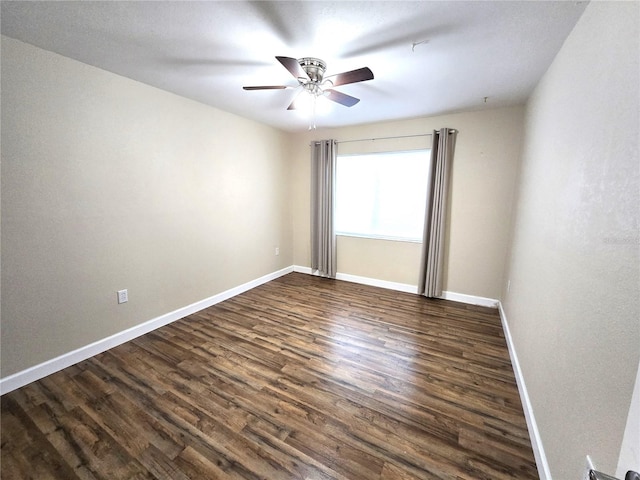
(313, 67)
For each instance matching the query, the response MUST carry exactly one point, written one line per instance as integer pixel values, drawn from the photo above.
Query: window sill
(378, 237)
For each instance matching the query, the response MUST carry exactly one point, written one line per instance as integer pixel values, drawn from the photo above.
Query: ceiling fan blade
(293, 66)
(292, 105)
(354, 76)
(341, 98)
(267, 87)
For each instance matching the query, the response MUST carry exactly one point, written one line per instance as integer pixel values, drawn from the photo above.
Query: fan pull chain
(312, 124)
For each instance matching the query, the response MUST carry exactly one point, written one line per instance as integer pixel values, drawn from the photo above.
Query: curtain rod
(386, 138)
(453, 130)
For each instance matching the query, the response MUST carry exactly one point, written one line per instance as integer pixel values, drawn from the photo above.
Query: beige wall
(110, 184)
(573, 306)
(484, 172)
(387, 260)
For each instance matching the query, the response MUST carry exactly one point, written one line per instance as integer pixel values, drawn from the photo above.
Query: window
(382, 195)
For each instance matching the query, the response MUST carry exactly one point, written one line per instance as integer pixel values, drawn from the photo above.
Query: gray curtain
(431, 266)
(323, 180)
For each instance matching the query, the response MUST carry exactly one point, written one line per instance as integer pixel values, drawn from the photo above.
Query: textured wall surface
(573, 306)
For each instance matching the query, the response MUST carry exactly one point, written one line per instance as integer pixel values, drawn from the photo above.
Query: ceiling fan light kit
(309, 72)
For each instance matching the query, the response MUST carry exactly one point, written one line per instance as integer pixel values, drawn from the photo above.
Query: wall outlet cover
(123, 296)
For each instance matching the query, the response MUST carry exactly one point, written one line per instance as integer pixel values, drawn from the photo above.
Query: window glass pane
(382, 195)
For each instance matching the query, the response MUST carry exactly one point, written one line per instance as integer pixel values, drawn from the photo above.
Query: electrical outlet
(277, 250)
(123, 296)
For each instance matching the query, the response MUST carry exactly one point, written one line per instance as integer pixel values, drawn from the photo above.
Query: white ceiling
(208, 50)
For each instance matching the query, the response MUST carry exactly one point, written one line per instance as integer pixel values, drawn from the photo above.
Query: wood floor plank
(300, 378)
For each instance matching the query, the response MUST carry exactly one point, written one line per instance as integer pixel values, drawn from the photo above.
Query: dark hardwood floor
(300, 378)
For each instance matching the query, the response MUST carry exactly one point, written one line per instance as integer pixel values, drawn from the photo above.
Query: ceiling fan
(309, 72)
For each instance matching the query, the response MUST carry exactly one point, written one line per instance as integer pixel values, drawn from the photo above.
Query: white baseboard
(299, 269)
(374, 282)
(37, 372)
(534, 434)
(404, 287)
(470, 299)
